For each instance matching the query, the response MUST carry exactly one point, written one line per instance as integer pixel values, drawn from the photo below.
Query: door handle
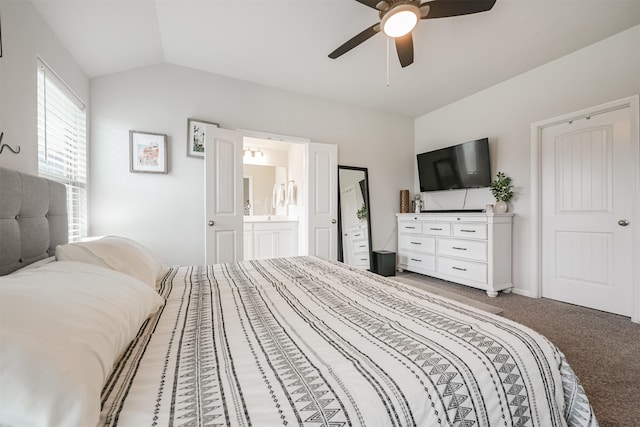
(333, 221)
(211, 223)
(623, 222)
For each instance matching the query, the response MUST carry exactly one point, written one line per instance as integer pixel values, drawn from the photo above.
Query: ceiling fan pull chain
(388, 80)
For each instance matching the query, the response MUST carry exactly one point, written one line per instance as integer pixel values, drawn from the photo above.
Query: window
(62, 144)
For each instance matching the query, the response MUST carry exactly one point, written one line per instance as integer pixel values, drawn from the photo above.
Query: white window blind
(62, 145)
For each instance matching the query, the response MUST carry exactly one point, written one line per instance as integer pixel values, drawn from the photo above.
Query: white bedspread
(303, 341)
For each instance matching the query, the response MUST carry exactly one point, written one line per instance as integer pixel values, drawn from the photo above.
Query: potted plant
(362, 213)
(502, 190)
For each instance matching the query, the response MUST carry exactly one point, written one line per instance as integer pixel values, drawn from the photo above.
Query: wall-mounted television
(464, 165)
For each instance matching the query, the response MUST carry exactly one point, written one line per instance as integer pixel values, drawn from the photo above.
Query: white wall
(605, 71)
(25, 35)
(165, 212)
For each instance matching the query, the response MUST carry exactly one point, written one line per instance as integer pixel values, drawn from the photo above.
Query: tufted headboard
(33, 219)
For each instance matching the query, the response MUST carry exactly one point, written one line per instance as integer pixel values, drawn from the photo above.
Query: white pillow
(63, 327)
(118, 253)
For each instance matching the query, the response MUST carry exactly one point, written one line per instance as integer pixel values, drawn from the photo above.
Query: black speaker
(384, 263)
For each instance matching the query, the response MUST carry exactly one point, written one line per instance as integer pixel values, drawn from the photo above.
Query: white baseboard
(522, 292)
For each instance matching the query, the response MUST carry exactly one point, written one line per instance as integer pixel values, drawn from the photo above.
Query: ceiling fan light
(400, 20)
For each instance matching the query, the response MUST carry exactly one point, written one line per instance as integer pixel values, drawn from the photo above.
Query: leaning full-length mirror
(354, 226)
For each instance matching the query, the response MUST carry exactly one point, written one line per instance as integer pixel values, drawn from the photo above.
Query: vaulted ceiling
(285, 43)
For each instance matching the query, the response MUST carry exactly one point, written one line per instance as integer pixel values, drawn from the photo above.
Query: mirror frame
(367, 202)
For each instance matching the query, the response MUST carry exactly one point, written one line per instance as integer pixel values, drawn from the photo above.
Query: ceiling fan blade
(356, 40)
(374, 3)
(447, 8)
(404, 46)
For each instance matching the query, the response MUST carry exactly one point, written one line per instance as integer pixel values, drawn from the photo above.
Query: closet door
(223, 196)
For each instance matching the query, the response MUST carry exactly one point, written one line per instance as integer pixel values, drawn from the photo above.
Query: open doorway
(273, 185)
(313, 196)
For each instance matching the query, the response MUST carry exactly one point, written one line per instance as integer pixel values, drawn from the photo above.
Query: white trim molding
(632, 102)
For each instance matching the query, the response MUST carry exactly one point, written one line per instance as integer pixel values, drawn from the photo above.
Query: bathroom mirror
(354, 218)
(247, 190)
(263, 186)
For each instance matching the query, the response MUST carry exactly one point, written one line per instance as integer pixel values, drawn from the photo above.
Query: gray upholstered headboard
(33, 219)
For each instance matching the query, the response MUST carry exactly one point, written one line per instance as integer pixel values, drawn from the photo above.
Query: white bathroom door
(322, 204)
(223, 186)
(587, 199)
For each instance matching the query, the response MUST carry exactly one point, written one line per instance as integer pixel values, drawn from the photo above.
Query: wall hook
(2, 146)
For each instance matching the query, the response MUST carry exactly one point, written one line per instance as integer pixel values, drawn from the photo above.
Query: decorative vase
(501, 207)
(404, 201)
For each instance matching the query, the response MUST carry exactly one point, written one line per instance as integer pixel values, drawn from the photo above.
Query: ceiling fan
(399, 17)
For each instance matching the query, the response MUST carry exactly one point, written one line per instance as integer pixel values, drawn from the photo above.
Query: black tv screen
(460, 166)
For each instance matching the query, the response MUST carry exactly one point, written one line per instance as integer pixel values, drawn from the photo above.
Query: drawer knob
(460, 249)
(416, 243)
(416, 260)
(468, 231)
(458, 268)
(435, 229)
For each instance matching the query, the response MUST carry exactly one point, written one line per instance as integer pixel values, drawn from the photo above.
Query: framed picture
(147, 152)
(195, 137)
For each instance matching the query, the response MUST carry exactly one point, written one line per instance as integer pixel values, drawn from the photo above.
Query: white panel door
(586, 199)
(322, 205)
(223, 196)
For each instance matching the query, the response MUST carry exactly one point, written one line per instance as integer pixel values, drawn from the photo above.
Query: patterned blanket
(305, 341)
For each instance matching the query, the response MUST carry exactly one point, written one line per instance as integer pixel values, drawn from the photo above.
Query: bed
(285, 341)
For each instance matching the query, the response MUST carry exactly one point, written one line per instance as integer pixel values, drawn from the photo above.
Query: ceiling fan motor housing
(385, 7)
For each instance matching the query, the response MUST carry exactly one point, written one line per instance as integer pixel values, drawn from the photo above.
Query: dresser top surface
(451, 214)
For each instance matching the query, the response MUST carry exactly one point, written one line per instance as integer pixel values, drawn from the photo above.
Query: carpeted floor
(603, 349)
(451, 295)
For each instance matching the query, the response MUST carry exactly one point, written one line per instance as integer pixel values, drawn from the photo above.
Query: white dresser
(470, 248)
(357, 247)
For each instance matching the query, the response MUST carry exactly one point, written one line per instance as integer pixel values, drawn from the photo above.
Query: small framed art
(147, 152)
(195, 137)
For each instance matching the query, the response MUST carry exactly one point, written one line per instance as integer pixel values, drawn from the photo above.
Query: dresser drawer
(361, 259)
(417, 261)
(409, 226)
(417, 243)
(470, 231)
(436, 228)
(468, 270)
(358, 234)
(361, 246)
(469, 249)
